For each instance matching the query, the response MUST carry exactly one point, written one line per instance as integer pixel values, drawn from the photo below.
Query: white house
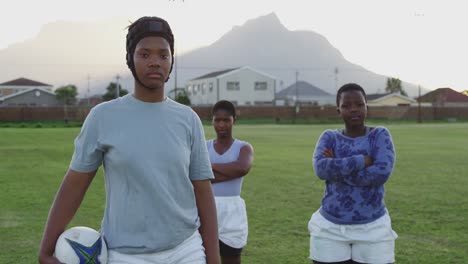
(242, 86)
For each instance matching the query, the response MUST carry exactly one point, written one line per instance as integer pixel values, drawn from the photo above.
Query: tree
(181, 96)
(66, 94)
(394, 86)
(111, 91)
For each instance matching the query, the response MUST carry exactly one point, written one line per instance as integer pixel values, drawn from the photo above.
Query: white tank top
(232, 187)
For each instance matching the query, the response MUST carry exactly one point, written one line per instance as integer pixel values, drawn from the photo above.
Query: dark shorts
(228, 251)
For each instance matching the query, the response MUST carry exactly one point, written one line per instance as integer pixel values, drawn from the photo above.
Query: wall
(202, 95)
(19, 114)
(25, 114)
(34, 97)
(247, 93)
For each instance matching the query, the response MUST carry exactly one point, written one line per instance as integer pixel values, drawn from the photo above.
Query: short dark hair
(226, 106)
(349, 87)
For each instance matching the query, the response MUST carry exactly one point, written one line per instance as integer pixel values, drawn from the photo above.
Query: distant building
(26, 92)
(444, 97)
(242, 86)
(21, 84)
(304, 93)
(31, 97)
(389, 99)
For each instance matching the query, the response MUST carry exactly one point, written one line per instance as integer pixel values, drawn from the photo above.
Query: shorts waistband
(227, 198)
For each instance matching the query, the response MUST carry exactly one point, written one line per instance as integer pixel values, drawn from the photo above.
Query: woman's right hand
(45, 259)
(368, 161)
(328, 153)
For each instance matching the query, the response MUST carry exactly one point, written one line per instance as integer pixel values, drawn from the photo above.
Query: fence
(78, 113)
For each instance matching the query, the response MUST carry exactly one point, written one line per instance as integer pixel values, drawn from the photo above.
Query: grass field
(427, 195)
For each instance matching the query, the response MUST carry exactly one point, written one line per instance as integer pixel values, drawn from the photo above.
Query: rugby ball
(80, 245)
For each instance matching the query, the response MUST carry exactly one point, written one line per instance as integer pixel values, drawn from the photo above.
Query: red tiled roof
(24, 82)
(444, 95)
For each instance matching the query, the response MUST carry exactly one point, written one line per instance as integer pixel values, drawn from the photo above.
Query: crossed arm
(235, 169)
(369, 169)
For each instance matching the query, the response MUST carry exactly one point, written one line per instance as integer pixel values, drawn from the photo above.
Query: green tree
(66, 94)
(111, 91)
(394, 86)
(181, 96)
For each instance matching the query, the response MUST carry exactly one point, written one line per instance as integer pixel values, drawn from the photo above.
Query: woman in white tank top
(231, 160)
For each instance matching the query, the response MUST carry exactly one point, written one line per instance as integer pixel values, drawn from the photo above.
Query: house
(304, 93)
(444, 97)
(389, 99)
(30, 97)
(21, 84)
(241, 86)
(26, 92)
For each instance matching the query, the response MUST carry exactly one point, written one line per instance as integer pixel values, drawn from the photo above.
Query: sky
(422, 42)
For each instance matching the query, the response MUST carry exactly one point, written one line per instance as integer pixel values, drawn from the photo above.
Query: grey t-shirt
(150, 153)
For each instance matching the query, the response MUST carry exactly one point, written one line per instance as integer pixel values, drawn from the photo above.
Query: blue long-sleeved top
(354, 194)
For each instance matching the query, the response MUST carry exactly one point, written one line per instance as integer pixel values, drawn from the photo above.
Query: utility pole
(117, 90)
(175, 73)
(419, 104)
(89, 78)
(295, 86)
(296, 101)
(336, 79)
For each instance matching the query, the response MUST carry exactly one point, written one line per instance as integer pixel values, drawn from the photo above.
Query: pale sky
(419, 41)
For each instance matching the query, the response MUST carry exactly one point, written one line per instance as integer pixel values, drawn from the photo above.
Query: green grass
(427, 195)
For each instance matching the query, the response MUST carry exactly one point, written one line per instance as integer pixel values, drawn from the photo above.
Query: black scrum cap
(147, 27)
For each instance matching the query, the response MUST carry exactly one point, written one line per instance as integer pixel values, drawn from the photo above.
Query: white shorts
(373, 242)
(191, 251)
(232, 221)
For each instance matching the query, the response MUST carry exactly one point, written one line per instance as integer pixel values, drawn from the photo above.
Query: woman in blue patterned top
(353, 225)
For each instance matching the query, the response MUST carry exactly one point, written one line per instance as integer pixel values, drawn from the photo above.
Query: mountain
(98, 50)
(265, 44)
(67, 52)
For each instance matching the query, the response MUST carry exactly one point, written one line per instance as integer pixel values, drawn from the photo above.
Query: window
(189, 90)
(263, 102)
(194, 89)
(234, 86)
(203, 88)
(210, 87)
(261, 86)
